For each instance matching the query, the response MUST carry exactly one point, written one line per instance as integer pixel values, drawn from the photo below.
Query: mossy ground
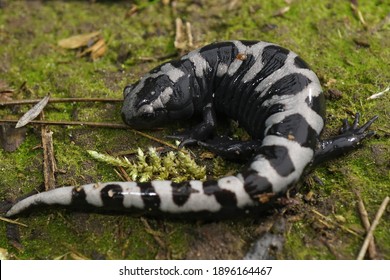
(346, 56)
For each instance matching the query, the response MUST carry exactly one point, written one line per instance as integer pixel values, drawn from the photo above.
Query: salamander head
(151, 102)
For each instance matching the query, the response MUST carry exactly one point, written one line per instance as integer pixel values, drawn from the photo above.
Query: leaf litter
(92, 44)
(33, 112)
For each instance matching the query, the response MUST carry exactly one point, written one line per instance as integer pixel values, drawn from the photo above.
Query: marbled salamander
(267, 89)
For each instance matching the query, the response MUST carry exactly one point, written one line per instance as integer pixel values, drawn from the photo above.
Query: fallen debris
(281, 11)
(11, 138)
(183, 39)
(374, 224)
(49, 163)
(357, 12)
(366, 223)
(78, 41)
(91, 44)
(379, 94)
(33, 112)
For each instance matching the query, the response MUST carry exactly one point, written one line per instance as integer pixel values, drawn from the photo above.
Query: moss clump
(151, 166)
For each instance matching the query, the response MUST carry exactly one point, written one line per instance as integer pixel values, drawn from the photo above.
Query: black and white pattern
(268, 89)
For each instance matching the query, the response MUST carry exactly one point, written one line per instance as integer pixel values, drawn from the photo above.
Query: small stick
(157, 58)
(96, 124)
(76, 123)
(334, 223)
(12, 222)
(379, 94)
(358, 13)
(189, 35)
(156, 235)
(159, 141)
(59, 100)
(366, 223)
(179, 37)
(49, 163)
(121, 172)
(369, 236)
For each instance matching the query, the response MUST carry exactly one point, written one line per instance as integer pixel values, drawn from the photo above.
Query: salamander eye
(127, 90)
(143, 102)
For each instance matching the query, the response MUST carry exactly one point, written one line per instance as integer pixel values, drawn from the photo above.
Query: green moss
(175, 166)
(19, 168)
(301, 236)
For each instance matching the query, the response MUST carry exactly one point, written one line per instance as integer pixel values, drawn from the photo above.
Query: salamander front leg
(232, 149)
(350, 138)
(200, 132)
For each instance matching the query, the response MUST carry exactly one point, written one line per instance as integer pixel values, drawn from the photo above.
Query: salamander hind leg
(355, 130)
(350, 137)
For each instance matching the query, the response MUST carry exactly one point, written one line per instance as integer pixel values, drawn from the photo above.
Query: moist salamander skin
(269, 90)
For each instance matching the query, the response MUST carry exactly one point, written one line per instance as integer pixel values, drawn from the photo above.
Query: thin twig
(156, 235)
(74, 253)
(49, 163)
(12, 222)
(60, 100)
(379, 94)
(98, 124)
(179, 38)
(157, 58)
(334, 223)
(374, 224)
(159, 141)
(366, 223)
(75, 123)
(384, 130)
(121, 172)
(189, 35)
(358, 13)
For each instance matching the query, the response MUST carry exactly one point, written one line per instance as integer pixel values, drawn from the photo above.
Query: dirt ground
(346, 43)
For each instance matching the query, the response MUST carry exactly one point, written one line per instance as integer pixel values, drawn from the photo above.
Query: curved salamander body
(267, 89)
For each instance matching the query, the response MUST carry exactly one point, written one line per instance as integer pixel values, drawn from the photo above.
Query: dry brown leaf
(281, 11)
(4, 86)
(133, 10)
(5, 96)
(97, 50)
(11, 138)
(33, 112)
(5, 92)
(79, 41)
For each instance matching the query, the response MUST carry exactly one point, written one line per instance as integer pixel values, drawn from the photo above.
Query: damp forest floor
(348, 46)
